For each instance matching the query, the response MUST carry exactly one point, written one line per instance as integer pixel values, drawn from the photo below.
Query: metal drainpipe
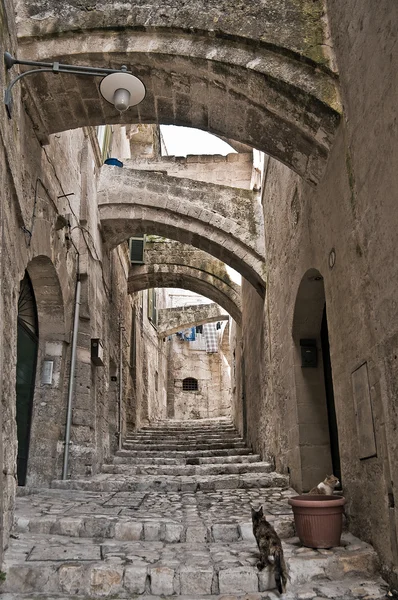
(71, 377)
(121, 329)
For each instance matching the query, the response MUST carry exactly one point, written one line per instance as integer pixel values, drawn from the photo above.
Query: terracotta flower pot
(318, 519)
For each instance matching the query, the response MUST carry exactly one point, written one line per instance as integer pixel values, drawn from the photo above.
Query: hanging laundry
(211, 338)
(190, 334)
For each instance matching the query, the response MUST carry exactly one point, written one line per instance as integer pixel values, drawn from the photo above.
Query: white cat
(326, 487)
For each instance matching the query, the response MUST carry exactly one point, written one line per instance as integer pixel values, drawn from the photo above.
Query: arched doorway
(27, 346)
(316, 423)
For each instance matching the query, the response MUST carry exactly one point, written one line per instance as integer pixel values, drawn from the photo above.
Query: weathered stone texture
(224, 221)
(234, 170)
(190, 359)
(171, 264)
(176, 319)
(225, 68)
(352, 212)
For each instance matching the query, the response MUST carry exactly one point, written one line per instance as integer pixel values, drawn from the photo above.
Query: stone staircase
(170, 516)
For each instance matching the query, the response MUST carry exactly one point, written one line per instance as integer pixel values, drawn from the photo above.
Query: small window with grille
(190, 384)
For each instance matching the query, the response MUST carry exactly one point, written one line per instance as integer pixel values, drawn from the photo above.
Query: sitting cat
(326, 487)
(269, 544)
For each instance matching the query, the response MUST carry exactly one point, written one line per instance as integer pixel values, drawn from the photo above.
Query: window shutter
(136, 246)
(150, 304)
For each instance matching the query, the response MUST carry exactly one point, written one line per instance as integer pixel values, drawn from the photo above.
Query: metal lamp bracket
(54, 67)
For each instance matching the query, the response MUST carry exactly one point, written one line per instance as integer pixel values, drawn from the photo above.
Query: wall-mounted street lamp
(118, 86)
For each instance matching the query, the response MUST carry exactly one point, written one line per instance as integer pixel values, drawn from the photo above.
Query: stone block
(304, 569)
(238, 580)
(196, 534)
(106, 580)
(246, 532)
(22, 524)
(134, 579)
(70, 526)
(162, 581)
(196, 580)
(71, 579)
(128, 531)
(172, 532)
(362, 562)
(42, 525)
(99, 527)
(225, 533)
(151, 532)
(266, 579)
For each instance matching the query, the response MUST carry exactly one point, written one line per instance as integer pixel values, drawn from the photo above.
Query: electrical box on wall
(309, 355)
(97, 352)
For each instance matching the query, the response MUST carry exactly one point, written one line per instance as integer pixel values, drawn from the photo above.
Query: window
(152, 306)
(190, 384)
(136, 250)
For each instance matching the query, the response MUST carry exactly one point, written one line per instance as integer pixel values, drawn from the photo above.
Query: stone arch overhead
(169, 252)
(49, 298)
(189, 278)
(258, 73)
(223, 221)
(171, 320)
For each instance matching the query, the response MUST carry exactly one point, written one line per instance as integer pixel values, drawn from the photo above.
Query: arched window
(190, 384)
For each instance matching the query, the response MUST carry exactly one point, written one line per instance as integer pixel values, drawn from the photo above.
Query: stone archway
(223, 221)
(177, 318)
(48, 407)
(172, 264)
(27, 350)
(316, 428)
(261, 74)
(188, 278)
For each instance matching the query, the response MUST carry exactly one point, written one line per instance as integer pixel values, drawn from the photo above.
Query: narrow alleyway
(170, 516)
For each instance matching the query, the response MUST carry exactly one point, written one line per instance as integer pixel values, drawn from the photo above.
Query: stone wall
(190, 360)
(336, 243)
(49, 229)
(233, 170)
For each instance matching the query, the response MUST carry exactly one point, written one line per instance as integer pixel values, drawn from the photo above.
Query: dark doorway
(27, 344)
(327, 369)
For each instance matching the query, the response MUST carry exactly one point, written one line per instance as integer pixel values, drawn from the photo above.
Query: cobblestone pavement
(187, 544)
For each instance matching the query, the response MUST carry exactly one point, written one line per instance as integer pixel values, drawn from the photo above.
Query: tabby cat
(326, 487)
(269, 544)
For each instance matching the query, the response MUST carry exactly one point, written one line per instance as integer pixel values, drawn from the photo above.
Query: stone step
(147, 530)
(349, 588)
(185, 430)
(183, 447)
(214, 516)
(190, 424)
(188, 470)
(121, 459)
(185, 453)
(56, 564)
(109, 483)
(194, 439)
(198, 431)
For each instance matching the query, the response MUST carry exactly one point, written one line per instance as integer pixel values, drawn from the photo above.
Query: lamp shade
(123, 90)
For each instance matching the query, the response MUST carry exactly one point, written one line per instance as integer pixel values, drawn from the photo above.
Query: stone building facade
(313, 86)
